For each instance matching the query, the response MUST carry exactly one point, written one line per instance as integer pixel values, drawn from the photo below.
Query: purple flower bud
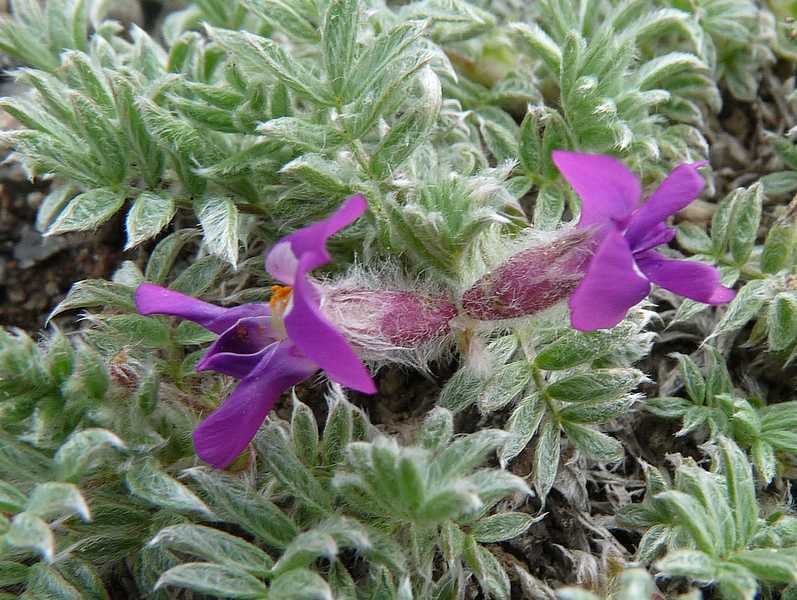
(532, 280)
(382, 319)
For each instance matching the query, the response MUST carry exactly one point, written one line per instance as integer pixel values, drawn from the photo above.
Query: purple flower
(269, 347)
(624, 263)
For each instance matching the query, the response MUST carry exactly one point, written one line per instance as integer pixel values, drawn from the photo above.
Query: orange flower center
(280, 298)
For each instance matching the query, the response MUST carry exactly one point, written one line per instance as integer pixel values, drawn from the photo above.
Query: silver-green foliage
(555, 381)
(766, 270)
(402, 509)
(712, 527)
(257, 116)
(713, 403)
(735, 38)
(615, 96)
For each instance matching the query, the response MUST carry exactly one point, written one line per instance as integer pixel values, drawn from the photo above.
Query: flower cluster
(605, 265)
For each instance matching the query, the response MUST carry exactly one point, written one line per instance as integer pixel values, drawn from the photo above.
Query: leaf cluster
(562, 381)
(415, 516)
(766, 270)
(711, 525)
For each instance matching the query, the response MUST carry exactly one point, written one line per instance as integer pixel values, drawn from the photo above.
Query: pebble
(33, 248)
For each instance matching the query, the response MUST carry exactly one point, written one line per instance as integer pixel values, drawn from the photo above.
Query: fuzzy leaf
(252, 511)
(304, 433)
(692, 516)
(769, 564)
(549, 207)
(782, 321)
(500, 133)
(546, 458)
(692, 377)
(304, 550)
(30, 532)
(219, 218)
(522, 424)
(460, 391)
(575, 348)
(599, 411)
(165, 254)
(148, 481)
(322, 174)
(211, 544)
(199, 276)
(530, 149)
(741, 490)
(764, 460)
(412, 128)
(50, 500)
(11, 499)
(12, 573)
(282, 14)
(468, 452)
(337, 431)
(491, 575)
(289, 470)
(88, 211)
(299, 584)
(148, 216)
(745, 306)
(219, 580)
(503, 526)
(504, 386)
(693, 237)
(745, 220)
(596, 386)
(91, 293)
(256, 53)
(338, 41)
(778, 247)
(311, 137)
(52, 205)
(540, 44)
(781, 182)
(594, 444)
(689, 563)
(78, 453)
(437, 430)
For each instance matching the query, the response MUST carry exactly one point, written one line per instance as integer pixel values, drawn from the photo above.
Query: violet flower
(607, 263)
(624, 263)
(269, 347)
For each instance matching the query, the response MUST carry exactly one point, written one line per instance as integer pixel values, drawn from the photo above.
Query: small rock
(699, 211)
(32, 248)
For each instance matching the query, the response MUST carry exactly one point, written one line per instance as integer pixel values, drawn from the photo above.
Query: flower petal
(283, 258)
(608, 190)
(695, 280)
(680, 188)
(658, 235)
(156, 300)
(318, 339)
(221, 437)
(238, 350)
(612, 285)
(281, 262)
